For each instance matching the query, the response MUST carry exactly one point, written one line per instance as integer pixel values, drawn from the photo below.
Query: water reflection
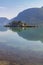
(2, 29)
(33, 34)
(16, 49)
(18, 29)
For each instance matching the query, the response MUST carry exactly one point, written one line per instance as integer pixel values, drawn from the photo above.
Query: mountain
(31, 16)
(2, 29)
(3, 21)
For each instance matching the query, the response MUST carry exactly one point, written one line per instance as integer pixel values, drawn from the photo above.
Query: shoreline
(20, 26)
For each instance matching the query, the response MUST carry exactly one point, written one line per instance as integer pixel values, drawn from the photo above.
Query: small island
(19, 24)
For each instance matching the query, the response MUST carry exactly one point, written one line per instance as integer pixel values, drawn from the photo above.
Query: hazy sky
(10, 8)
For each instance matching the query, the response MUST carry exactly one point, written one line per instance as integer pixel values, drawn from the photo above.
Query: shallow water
(21, 46)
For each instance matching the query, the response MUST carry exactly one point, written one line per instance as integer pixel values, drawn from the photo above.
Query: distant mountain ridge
(31, 16)
(3, 21)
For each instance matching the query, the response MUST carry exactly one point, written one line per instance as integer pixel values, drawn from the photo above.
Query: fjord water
(21, 46)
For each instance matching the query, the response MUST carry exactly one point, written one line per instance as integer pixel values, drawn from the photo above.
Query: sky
(11, 8)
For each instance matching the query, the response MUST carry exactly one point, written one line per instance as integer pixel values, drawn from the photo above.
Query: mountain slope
(3, 21)
(31, 16)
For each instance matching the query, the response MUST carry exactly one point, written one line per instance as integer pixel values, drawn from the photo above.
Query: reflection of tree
(18, 29)
(34, 34)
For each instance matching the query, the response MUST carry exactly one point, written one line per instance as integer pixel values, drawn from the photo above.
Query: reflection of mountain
(18, 29)
(3, 29)
(33, 34)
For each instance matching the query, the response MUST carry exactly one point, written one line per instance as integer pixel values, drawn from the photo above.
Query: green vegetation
(19, 24)
(16, 24)
(18, 29)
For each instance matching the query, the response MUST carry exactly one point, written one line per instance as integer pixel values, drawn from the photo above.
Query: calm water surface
(21, 46)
